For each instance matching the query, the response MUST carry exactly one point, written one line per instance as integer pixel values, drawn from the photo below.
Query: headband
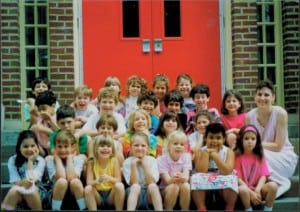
(250, 129)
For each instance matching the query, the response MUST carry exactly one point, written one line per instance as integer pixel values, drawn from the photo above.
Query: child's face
(67, 124)
(107, 105)
(215, 140)
(104, 151)
(115, 86)
(106, 129)
(232, 104)
(63, 149)
(147, 105)
(170, 125)
(139, 147)
(47, 109)
(174, 107)
(201, 123)
(176, 148)
(201, 101)
(39, 88)
(29, 148)
(82, 102)
(134, 89)
(140, 122)
(160, 90)
(184, 87)
(249, 141)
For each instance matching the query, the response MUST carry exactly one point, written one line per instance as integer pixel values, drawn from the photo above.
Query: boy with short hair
(82, 105)
(108, 100)
(200, 94)
(64, 170)
(65, 117)
(149, 102)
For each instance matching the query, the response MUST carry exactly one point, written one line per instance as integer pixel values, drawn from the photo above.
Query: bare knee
(61, 183)
(119, 187)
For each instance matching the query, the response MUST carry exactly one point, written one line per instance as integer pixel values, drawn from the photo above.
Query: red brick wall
(291, 38)
(244, 51)
(10, 57)
(61, 49)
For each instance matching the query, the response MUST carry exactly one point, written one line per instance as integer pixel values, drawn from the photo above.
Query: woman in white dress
(272, 123)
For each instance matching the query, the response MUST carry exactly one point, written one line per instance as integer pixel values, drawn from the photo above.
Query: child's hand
(26, 183)
(255, 198)
(34, 155)
(45, 115)
(104, 178)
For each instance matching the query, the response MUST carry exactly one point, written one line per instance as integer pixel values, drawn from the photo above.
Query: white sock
(56, 205)
(81, 203)
(268, 208)
(248, 209)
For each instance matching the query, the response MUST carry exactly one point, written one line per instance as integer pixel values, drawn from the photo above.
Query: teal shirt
(82, 144)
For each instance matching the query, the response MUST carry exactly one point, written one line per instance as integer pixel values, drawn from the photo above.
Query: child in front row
(104, 186)
(64, 170)
(174, 168)
(140, 172)
(253, 171)
(26, 169)
(214, 157)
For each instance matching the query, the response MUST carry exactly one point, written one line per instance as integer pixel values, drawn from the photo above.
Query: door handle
(158, 45)
(146, 45)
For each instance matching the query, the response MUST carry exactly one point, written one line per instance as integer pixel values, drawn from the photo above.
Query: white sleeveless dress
(281, 164)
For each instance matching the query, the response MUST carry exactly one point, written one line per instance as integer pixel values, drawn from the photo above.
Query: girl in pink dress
(272, 123)
(232, 115)
(252, 171)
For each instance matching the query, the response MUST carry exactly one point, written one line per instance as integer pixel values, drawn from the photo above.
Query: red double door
(147, 37)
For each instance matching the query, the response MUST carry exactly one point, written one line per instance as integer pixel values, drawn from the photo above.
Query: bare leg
(133, 197)
(170, 196)
(154, 197)
(185, 196)
(269, 191)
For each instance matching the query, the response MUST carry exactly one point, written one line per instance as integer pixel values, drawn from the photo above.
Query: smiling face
(63, 149)
(176, 148)
(214, 140)
(67, 124)
(201, 123)
(140, 122)
(29, 148)
(147, 105)
(264, 97)
(39, 88)
(169, 125)
(82, 102)
(104, 151)
(139, 146)
(106, 129)
(232, 104)
(174, 107)
(160, 89)
(107, 105)
(201, 101)
(134, 89)
(184, 87)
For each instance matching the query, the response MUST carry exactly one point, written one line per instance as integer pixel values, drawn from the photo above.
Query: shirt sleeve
(78, 165)
(40, 168)
(237, 167)
(154, 168)
(264, 168)
(121, 123)
(162, 164)
(51, 167)
(187, 164)
(12, 170)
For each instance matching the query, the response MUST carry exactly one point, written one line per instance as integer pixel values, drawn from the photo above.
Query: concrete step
(287, 204)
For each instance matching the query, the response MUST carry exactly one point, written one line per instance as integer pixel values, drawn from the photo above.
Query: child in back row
(232, 115)
(104, 187)
(160, 87)
(64, 168)
(135, 86)
(140, 172)
(26, 169)
(184, 84)
(253, 171)
(174, 168)
(82, 105)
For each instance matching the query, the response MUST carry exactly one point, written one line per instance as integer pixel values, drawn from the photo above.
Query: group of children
(137, 152)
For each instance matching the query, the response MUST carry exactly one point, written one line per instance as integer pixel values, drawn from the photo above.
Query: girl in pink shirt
(252, 171)
(232, 115)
